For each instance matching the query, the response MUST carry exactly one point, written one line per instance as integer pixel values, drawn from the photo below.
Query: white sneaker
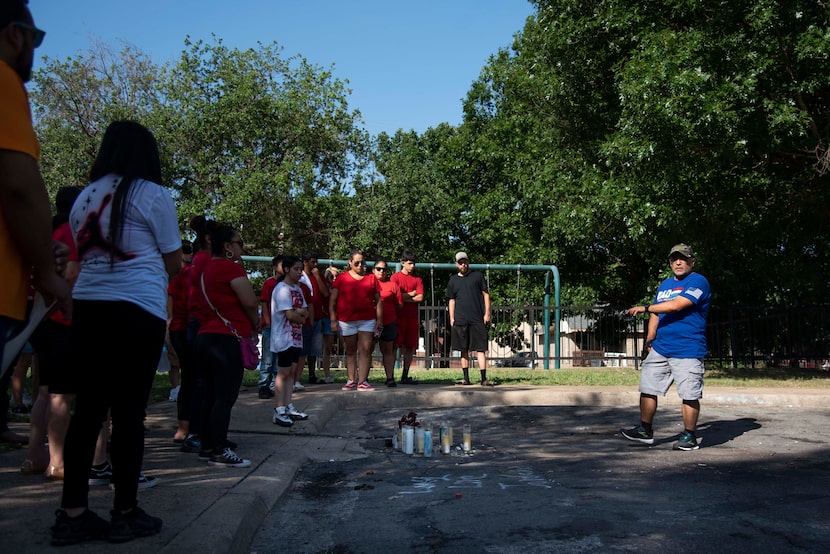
(329, 379)
(174, 394)
(144, 482)
(295, 414)
(298, 387)
(281, 418)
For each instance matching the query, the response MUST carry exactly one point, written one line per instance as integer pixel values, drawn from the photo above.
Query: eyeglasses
(38, 38)
(381, 269)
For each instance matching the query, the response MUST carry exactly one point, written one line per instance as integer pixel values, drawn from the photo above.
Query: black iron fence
(590, 336)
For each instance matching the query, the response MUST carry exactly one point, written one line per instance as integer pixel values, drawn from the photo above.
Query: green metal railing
(548, 269)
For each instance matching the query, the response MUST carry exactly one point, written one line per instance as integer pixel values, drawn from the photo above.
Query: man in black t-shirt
(469, 303)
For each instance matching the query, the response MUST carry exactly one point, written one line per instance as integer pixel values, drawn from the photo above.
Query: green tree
(74, 101)
(257, 139)
(617, 128)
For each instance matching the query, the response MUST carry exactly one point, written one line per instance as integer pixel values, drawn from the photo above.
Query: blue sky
(409, 64)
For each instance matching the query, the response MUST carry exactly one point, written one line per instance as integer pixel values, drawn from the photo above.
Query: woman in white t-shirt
(126, 231)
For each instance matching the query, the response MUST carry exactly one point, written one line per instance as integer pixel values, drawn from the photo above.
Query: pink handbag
(247, 346)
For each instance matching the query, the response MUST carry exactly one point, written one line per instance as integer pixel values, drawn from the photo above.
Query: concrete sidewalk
(207, 509)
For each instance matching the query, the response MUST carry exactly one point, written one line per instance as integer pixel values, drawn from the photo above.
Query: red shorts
(408, 330)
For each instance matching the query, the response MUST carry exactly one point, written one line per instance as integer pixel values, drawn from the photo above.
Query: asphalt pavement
(209, 509)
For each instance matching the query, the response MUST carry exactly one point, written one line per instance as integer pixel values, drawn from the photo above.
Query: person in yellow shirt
(25, 230)
(25, 235)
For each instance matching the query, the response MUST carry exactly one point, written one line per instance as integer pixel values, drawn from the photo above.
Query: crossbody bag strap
(227, 323)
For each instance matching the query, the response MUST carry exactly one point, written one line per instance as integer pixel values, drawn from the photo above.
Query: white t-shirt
(284, 333)
(150, 229)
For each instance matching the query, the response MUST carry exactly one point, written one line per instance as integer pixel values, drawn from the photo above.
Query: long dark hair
(129, 150)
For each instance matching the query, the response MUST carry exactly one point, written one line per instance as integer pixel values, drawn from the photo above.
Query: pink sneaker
(365, 386)
(350, 385)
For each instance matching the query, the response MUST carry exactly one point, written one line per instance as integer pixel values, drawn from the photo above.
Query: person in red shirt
(51, 411)
(392, 300)
(356, 312)
(195, 307)
(177, 321)
(412, 287)
(227, 292)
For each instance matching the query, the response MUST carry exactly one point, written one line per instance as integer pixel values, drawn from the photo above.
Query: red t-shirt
(64, 234)
(408, 283)
(356, 297)
(392, 299)
(196, 306)
(178, 291)
(218, 275)
(307, 297)
(267, 290)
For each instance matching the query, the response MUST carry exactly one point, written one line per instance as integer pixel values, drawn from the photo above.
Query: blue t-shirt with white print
(683, 334)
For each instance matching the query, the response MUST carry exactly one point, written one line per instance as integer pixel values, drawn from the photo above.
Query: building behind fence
(740, 336)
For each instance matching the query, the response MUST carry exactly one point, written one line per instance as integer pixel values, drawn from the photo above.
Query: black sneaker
(20, 410)
(687, 442)
(408, 381)
(135, 523)
(205, 454)
(72, 530)
(265, 393)
(100, 475)
(391, 383)
(638, 434)
(228, 458)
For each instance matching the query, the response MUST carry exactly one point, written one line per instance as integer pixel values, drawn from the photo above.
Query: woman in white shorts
(355, 311)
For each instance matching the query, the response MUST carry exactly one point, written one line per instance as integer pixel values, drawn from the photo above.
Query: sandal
(28, 467)
(54, 473)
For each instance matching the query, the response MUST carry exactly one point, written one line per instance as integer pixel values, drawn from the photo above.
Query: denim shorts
(313, 339)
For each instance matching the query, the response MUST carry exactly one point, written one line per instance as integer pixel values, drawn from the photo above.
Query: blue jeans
(268, 361)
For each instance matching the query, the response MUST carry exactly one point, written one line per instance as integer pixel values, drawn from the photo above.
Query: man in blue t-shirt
(676, 341)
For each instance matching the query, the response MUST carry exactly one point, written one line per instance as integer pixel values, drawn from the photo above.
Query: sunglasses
(381, 269)
(38, 34)
(359, 263)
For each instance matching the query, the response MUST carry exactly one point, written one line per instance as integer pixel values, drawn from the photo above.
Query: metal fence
(590, 336)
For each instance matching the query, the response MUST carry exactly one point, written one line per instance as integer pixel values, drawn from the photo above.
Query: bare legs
(690, 410)
(387, 350)
(359, 355)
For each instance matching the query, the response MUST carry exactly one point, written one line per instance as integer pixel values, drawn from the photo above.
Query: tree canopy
(608, 131)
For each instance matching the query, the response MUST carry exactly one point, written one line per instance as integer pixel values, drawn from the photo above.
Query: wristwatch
(645, 308)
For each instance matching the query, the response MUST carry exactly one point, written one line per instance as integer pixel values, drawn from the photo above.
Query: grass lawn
(594, 377)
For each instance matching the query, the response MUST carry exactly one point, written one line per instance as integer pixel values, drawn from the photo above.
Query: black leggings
(220, 358)
(126, 342)
(187, 379)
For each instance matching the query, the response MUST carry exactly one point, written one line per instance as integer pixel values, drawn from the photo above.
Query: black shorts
(389, 332)
(52, 342)
(470, 338)
(289, 357)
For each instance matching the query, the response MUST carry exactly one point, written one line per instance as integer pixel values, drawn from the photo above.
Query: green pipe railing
(549, 269)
